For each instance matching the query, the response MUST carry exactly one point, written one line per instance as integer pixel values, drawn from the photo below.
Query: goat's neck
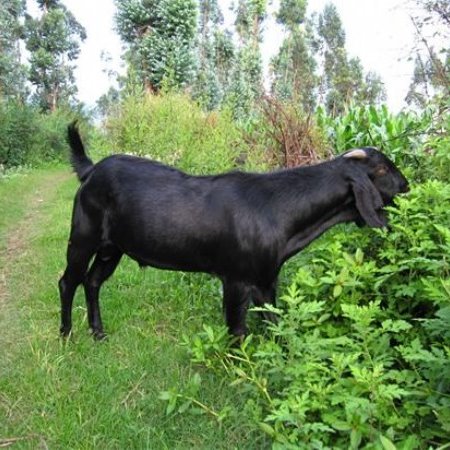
(305, 236)
(314, 211)
(311, 194)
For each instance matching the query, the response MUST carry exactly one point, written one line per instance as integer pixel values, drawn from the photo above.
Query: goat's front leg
(235, 305)
(67, 289)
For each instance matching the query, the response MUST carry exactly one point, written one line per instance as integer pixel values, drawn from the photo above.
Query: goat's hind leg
(102, 268)
(79, 253)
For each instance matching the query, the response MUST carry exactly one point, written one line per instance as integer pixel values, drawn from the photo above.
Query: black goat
(238, 226)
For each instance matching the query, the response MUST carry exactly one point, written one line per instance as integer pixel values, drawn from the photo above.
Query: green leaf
(185, 406)
(337, 290)
(171, 405)
(410, 443)
(165, 395)
(355, 439)
(396, 326)
(340, 425)
(387, 443)
(267, 428)
(359, 256)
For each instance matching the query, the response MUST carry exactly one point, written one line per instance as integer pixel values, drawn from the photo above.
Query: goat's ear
(368, 201)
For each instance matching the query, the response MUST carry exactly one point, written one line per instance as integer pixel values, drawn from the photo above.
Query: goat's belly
(193, 253)
(251, 270)
(174, 261)
(162, 248)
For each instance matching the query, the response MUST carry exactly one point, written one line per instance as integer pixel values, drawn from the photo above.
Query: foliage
(246, 84)
(342, 78)
(207, 87)
(224, 53)
(417, 142)
(293, 68)
(431, 78)
(360, 356)
(219, 70)
(53, 41)
(313, 67)
(107, 102)
(160, 35)
(28, 137)
(249, 17)
(173, 129)
(17, 131)
(437, 164)
(292, 13)
(12, 71)
(375, 126)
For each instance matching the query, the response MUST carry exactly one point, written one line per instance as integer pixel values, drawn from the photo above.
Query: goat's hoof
(65, 332)
(99, 335)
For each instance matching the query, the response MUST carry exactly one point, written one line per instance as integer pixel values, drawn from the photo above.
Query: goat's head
(374, 180)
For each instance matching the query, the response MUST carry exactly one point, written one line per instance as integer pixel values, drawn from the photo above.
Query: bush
(292, 136)
(413, 141)
(50, 144)
(18, 127)
(28, 137)
(173, 129)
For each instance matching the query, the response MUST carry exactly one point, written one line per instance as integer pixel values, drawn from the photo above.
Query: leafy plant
(160, 35)
(415, 141)
(173, 129)
(30, 138)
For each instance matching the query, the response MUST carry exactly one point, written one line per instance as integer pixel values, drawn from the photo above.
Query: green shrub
(436, 163)
(173, 129)
(28, 137)
(50, 144)
(417, 142)
(18, 127)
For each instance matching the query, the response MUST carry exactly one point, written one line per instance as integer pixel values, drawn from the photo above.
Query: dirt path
(20, 235)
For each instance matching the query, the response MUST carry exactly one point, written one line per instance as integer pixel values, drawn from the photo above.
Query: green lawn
(81, 394)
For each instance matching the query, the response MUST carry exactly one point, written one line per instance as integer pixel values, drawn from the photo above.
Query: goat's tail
(81, 163)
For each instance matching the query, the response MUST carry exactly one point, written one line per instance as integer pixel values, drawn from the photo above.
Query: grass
(79, 394)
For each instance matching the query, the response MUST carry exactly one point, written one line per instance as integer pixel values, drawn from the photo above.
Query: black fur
(238, 226)
(82, 165)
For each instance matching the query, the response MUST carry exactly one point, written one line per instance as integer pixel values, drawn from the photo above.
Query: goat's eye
(381, 170)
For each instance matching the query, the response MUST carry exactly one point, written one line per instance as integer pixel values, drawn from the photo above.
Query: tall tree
(246, 79)
(161, 37)
(12, 72)
(224, 57)
(207, 87)
(293, 67)
(53, 40)
(432, 61)
(249, 18)
(342, 78)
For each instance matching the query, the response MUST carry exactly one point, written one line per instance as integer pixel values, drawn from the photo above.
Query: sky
(379, 32)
